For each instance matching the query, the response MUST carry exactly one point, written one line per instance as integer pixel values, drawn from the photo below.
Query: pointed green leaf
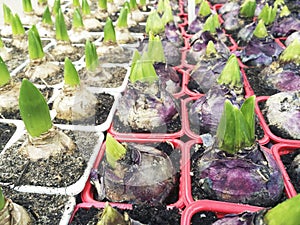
(168, 15)
(154, 23)
(102, 4)
(46, 19)
(111, 216)
(260, 30)
(248, 111)
(211, 24)
(2, 199)
(17, 26)
(268, 14)
(122, 20)
(56, 7)
(109, 32)
(114, 150)
(27, 6)
(143, 70)
(77, 20)
(160, 7)
(42, 2)
(91, 57)
(248, 8)
(61, 28)
(284, 11)
(34, 109)
(291, 53)
(231, 74)
(142, 3)
(136, 56)
(35, 47)
(71, 76)
(210, 49)
(204, 9)
(4, 73)
(86, 10)
(7, 14)
(286, 213)
(155, 49)
(76, 4)
(133, 5)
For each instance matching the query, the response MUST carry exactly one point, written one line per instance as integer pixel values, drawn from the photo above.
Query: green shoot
(155, 49)
(235, 130)
(76, 4)
(168, 15)
(231, 74)
(111, 216)
(71, 76)
(210, 49)
(17, 26)
(61, 28)
(122, 20)
(102, 4)
(7, 14)
(204, 9)
(2, 200)
(284, 11)
(27, 6)
(136, 56)
(86, 10)
(248, 8)
(109, 32)
(268, 14)
(198, 2)
(91, 57)
(291, 53)
(42, 2)
(133, 5)
(260, 30)
(35, 47)
(142, 4)
(56, 7)
(114, 151)
(211, 24)
(4, 73)
(286, 213)
(160, 7)
(46, 19)
(77, 22)
(154, 23)
(34, 109)
(1, 43)
(143, 70)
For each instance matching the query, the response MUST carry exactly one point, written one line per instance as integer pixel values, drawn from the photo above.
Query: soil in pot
(60, 171)
(75, 56)
(6, 132)
(204, 218)
(123, 56)
(43, 209)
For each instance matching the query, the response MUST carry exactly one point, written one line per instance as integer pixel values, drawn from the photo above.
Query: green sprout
(248, 8)
(133, 5)
(2, 199)
(35, 47)
(86, 10)
(42, 2)
(56, 7)
(155, 49)
(236, 129)
(114, 150)
(160, 7)
(284, 11)
(71, 76)
(109, 32)
(268, 14)
(4, 73)
(286, 213)
(1, 43)
(34, 109)
(122, 20)
(204, 9)
(168, 15)
(17, 26)
(77, 22)
(291, 53)
(102, 4)
(231, 74)
(154, 23)
(260, 30)
(91, 57)
(7, 14)
(210, 49)
(61, 28)
(76, 3)
(111, 216)
(46, 19)
(27, 6)
(136, 56)
(143, 70)
(211, 24)
(142, 4)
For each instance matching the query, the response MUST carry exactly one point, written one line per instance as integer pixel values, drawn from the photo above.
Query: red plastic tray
(273, 137)
(87, 194)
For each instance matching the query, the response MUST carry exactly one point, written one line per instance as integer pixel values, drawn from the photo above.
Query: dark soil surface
(59, 171)
(138, 29)
(6, 132)
(204, 218)
(123, 57)
(150, 215)
(103, 107)
(43, 209)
